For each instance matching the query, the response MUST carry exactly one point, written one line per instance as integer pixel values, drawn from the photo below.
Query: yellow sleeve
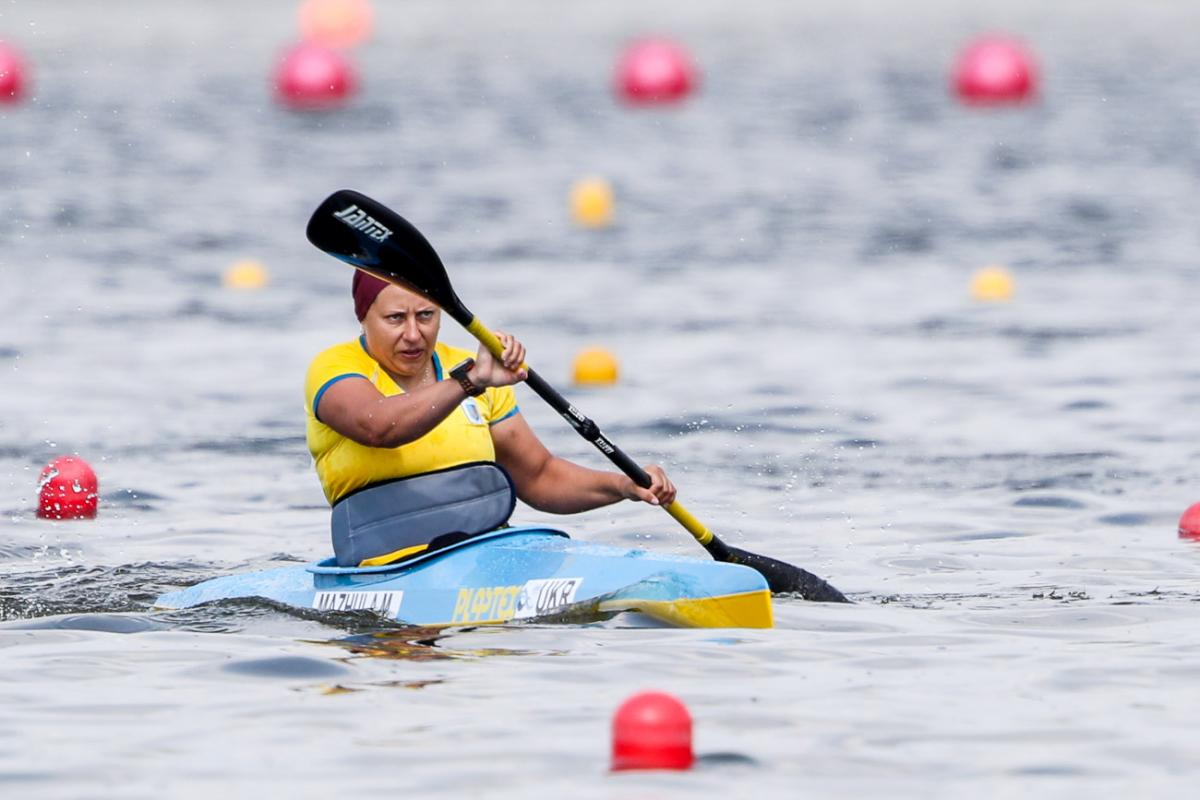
(502, 404)
(329, 367)
(496, 403)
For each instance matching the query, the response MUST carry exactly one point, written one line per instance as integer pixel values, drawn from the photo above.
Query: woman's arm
(355, 408)
(553, 484)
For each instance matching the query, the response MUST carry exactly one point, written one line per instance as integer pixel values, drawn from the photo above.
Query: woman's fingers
(661, 486)
(504, 370)
(661, 491)
(666, 495)
(514, 354)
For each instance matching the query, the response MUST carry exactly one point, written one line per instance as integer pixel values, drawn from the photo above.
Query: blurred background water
(786, 287)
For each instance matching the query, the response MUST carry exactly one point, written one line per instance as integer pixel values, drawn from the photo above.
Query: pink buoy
(311, 76)
(653, 71)
(995, 70)
(12, 74)
(68, 489)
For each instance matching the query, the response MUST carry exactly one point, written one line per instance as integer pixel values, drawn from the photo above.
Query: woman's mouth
(412, 355)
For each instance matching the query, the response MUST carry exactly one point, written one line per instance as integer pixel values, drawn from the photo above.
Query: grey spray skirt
(388, 522)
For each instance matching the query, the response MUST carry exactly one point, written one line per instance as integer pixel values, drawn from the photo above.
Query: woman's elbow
(532, 497)
(550, 499)
(545, 505)
(372, 434)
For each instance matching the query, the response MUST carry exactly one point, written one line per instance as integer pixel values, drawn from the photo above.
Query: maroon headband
(365, 289)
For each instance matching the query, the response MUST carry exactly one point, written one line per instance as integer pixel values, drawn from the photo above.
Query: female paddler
(418, 445)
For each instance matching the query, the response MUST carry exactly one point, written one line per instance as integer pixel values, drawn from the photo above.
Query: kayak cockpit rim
(328, 566)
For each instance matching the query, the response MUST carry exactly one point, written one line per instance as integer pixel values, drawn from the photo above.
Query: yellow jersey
(344, 465)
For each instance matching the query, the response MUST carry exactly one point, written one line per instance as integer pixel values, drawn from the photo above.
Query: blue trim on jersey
(362, 339)
(331, 382)
(437, 366)
(516, 410)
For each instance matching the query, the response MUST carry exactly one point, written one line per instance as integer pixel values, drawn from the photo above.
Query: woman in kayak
(406, 433)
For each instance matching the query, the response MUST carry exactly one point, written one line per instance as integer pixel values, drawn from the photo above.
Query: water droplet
(45, 479)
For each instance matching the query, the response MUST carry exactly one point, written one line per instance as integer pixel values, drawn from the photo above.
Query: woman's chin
(408, 365)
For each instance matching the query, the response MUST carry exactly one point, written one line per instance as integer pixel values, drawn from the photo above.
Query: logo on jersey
(471, 409)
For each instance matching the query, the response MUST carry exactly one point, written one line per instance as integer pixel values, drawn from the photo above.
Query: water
(996, 486)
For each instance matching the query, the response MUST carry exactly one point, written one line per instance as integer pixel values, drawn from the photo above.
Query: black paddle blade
(785, 578)
(369, 235)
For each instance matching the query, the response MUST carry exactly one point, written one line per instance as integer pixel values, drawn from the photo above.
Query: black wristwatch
(459, 373)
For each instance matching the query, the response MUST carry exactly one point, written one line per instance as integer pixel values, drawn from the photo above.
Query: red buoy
(654, 71)
(1189, 523)
(652, 730)
(995, 70)
(69, 490)
(312, 77)
(12, 74)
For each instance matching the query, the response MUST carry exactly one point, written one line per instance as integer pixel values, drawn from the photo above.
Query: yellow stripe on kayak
(742, 610)
(745, 610)
(395, 555)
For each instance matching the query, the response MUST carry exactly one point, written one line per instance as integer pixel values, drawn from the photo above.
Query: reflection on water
(418, 644)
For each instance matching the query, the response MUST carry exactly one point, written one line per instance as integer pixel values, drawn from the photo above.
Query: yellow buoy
(592, 202)
(337, 23)
(595, 366)
(992, 284)
(246, 275)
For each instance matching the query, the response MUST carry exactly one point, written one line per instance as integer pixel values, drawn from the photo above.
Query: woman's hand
(505, 372)
(660, 493)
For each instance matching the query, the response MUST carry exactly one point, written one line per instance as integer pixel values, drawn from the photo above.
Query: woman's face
(401, 330)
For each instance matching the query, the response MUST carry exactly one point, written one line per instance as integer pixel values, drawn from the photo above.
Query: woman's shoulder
(450, 355)
(343, 355)
(334, 363)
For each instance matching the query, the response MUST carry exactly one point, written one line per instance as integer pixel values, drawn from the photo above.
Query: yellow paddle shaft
(488, 339)
(694, 526)
(684, 517)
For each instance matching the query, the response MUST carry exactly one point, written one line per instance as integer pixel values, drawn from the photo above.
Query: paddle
(371, 237)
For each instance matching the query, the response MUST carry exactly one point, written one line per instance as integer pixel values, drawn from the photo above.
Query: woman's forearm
(562, 487)
(404, 418)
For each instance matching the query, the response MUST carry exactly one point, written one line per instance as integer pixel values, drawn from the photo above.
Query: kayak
(519, 573)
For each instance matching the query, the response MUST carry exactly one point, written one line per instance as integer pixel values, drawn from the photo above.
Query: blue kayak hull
(521, 573)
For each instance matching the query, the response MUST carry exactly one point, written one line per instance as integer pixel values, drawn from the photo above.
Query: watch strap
(459, 373)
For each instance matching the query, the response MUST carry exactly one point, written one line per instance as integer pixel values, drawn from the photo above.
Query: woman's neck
(410, 383)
